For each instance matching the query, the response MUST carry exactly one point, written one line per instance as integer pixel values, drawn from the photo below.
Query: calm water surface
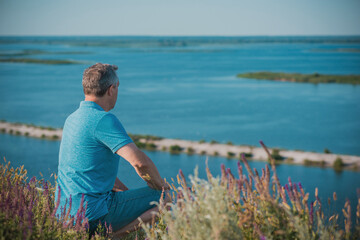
(192, 93)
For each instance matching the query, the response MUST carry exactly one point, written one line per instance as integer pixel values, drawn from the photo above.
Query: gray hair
(98, 78)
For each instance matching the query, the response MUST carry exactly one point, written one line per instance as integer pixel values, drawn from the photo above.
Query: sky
(179, 17)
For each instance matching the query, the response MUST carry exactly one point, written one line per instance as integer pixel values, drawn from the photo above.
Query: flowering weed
(252, 206)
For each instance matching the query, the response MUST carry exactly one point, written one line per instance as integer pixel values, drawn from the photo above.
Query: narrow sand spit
(257, 152)
(223, 150)
(31, 130)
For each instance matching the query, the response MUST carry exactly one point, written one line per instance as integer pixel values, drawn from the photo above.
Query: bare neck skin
(101, 101)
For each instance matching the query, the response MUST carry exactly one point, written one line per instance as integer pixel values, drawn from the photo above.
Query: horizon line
(158, 35)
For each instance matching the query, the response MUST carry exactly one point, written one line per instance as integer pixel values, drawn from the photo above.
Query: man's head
(101, 82)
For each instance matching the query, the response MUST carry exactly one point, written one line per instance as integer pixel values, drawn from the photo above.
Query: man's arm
(143, 166)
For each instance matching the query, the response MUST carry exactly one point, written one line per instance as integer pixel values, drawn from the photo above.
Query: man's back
(92, 142)
(87, 163)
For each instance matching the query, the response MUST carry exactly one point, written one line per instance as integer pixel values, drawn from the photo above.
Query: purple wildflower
(222, 166)
(181, 172)
(228, 171)
(57, 202)
(32, 180)
(311, 213)
(182, 176)
(240, 170)
(295, 188)
(289, 192)
(70, 203)
(63, 212)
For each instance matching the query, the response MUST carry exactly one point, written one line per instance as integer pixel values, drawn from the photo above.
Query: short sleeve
(111, 133)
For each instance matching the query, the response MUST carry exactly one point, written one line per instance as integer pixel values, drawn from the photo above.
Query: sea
(187, 88)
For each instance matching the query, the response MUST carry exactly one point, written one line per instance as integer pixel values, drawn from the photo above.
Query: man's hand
(143, 165)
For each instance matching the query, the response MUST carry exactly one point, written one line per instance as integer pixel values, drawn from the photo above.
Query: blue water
(191, 92)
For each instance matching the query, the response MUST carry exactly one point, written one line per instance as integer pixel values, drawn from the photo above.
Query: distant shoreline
(303, 78)
(176, 146)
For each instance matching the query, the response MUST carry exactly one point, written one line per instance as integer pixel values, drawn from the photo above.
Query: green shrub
(175, 149)
(137, 137)
(202, 141)
(216, 153)
(229, 143)
(150, 146)
(213, 142)
(247, 155)
(327, 151)
(338, 164)
(190, 151)
(55, 137)
(27, 133)
(139, 144)
(230, 154)
(276, 155)
(203, 152)
(308, 162)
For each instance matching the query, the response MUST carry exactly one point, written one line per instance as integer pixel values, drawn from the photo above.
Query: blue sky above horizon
(180, 18)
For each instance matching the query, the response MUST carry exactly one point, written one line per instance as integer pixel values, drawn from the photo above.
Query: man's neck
(100, 101)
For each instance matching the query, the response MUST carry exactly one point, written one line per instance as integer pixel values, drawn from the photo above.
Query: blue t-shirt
(88, 163)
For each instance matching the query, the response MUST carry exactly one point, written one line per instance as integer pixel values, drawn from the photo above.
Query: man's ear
(109, 91)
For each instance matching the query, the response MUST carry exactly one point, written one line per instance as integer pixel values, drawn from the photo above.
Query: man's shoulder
(108, 120)
(86, 115)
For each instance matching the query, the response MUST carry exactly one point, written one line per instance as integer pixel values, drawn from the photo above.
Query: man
(92, 141)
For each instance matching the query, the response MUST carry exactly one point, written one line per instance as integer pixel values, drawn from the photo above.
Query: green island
(23, 57)
(29, 52)
(39, 61)
(332, 50)
(304, 78)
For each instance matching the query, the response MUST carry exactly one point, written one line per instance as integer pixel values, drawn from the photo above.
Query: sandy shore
(258, 153)
(223, 150)
(31, 130)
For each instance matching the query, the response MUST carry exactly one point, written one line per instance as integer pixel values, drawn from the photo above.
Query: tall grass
(27, 210)
(252, 206)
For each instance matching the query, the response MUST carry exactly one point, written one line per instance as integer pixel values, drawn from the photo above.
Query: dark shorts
(125, 207)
